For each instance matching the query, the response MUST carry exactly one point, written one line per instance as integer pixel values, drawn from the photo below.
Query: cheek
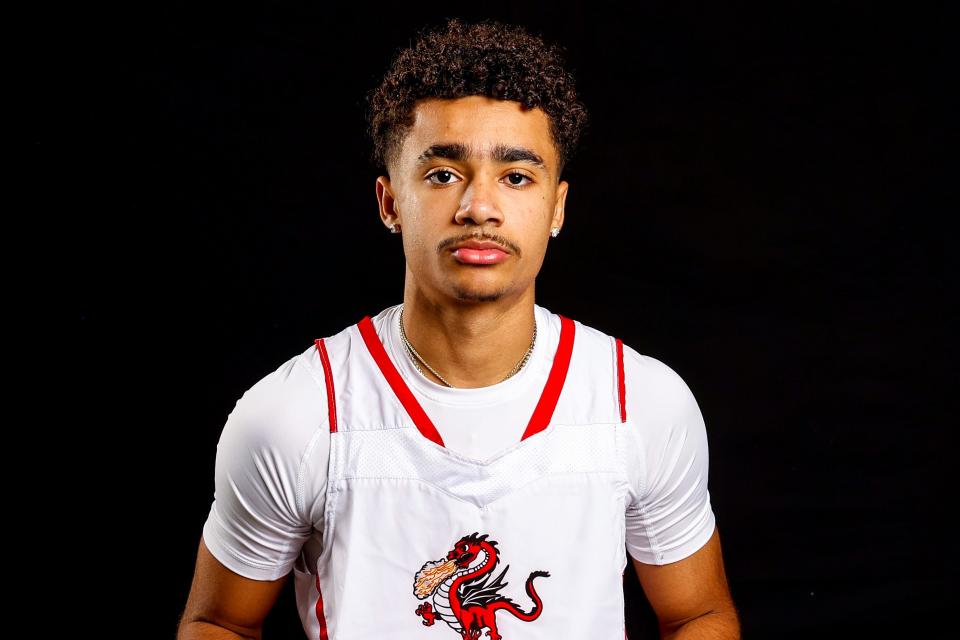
(424, 217)
(415, 243)
(536, 224)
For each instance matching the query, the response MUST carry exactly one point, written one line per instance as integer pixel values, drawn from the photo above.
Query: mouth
(466, 255)
(480, 253)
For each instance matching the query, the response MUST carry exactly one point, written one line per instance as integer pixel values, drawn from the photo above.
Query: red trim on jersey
(558, 373)
(320, 617)
(328, 376)
(541, 415)
(620, 383)
(406, 397)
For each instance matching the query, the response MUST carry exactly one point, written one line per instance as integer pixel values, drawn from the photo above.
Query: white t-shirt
(273, 452)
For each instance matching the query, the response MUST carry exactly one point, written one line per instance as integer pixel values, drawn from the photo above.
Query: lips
(470, 255)
(479, 252)
(475, 244)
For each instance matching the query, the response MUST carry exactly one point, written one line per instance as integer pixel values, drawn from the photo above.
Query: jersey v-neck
(539, 420)
(523, 384)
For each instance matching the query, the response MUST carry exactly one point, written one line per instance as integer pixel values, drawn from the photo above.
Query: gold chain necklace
(413, 352)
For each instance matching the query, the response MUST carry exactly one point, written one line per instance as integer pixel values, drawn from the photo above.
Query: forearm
(200, 630)
(718, 625)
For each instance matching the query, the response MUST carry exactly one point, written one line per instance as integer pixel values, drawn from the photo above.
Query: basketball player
(465, 464)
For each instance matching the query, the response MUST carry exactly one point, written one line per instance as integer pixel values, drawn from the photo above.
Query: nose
(479, 202)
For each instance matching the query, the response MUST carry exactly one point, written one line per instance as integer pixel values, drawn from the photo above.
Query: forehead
(481, 123)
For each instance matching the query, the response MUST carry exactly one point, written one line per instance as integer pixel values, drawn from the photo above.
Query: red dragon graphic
(464, 595)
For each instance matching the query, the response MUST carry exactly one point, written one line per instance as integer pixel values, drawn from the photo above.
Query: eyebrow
(501, 153)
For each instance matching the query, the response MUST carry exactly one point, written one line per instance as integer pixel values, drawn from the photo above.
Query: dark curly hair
(486, 58)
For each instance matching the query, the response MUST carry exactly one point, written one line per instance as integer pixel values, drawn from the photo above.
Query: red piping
(621, 389)
(541, 415)
(320, 617)
(558, 373)
(409, 402)
(328, 376)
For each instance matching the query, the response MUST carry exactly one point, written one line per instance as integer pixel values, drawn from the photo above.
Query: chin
(473, 294)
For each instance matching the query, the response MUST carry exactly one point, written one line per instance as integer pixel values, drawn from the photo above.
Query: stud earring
(554, 232)
(394, 228)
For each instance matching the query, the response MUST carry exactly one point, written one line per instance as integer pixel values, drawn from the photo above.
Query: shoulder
(666, 435)
(283, 411)
(646, 378)
(653, 387)
(665, 424)
(656, 394)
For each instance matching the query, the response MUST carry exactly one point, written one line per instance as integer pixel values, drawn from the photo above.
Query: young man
(465, 464)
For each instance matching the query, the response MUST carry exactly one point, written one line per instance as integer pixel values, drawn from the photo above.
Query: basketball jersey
(422, 542)
(406, 509)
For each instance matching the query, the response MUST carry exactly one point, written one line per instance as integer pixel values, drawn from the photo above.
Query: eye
(517, 174)
(443, 176)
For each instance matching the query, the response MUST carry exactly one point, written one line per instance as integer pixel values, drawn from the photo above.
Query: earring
(395, 228)
(554, 232)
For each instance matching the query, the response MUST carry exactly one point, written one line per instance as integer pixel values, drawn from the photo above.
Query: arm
(691, 597)
(270, 482)
(223, 605)
(671, 531)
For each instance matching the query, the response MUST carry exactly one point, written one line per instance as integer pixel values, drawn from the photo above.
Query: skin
(691, 597)
(473, 323)
(454, 312)
(223, 605)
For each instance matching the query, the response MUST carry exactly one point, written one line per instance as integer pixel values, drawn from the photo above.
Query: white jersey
(350, 468)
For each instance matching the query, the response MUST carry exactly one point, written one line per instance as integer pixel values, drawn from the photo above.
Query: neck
(473, 344)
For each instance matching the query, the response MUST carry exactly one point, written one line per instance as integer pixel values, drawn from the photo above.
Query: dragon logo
(464, 595)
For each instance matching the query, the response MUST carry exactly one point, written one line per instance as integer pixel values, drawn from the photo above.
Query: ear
(389, 212)
(558, 208)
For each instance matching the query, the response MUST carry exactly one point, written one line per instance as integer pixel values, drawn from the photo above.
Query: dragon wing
(480, 593)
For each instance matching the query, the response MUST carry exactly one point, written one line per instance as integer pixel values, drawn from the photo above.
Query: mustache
(503, 242)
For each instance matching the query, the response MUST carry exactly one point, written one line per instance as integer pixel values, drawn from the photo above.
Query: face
(474, 168)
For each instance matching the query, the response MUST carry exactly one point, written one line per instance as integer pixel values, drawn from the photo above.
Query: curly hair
(486, 58)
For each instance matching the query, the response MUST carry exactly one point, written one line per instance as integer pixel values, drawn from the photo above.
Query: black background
(753, 204)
